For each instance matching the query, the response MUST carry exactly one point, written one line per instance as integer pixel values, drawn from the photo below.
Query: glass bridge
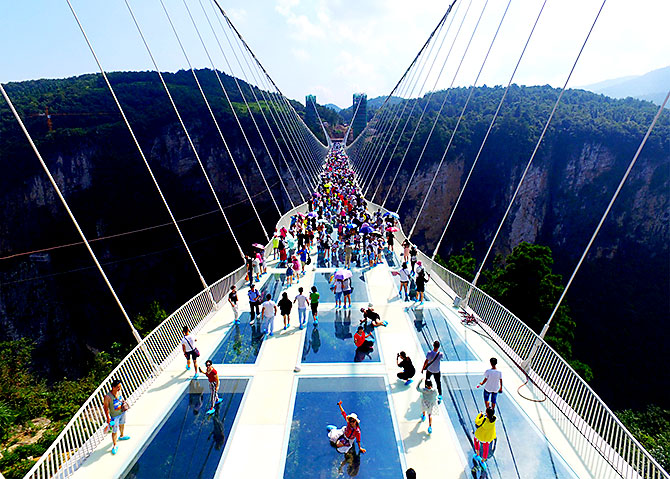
(279, 394)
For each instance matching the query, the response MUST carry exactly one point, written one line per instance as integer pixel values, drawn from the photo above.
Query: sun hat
(370, 305)
(354, 416)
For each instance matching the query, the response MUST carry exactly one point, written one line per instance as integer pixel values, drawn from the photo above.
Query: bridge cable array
(311, 154)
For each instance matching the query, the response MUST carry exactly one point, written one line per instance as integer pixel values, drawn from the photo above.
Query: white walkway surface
(258, 442)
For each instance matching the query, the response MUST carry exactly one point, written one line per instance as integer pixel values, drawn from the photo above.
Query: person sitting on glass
(373, 316)
(343, 438)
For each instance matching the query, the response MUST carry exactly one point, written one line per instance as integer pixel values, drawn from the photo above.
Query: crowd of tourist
(346, 235)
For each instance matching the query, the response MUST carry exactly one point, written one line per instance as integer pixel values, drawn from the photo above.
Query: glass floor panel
(359, 294)
(520, 451)
(391, 258)
(310, 454)
(431, 325)
(411, 286)
(240, 345)
(190, 443)
(332, 341)
(275, 285)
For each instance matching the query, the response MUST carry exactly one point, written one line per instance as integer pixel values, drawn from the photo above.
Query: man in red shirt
(213, 378)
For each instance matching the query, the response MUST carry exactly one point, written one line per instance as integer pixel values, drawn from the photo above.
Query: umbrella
(392, 229)
(322, 220)
(312, 214)
(327, 185)
(365, 225)
(394, 215)
(351, 225)
(301, 214)
(367, 229)
(258, 245)
(342, 274)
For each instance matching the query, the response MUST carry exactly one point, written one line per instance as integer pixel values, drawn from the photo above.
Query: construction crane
(49, 115)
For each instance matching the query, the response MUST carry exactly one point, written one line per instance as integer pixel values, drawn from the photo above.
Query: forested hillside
(620, 299)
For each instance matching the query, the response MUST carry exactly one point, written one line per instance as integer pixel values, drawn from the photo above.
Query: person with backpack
(421, 280)
(485, 434)
(189, 349)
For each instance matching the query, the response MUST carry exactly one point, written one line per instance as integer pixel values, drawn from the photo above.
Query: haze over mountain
(652, 86)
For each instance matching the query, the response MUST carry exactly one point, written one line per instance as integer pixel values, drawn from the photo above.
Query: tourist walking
(189, 349)
(421, 280)
(492, 384)
(115, 413)
(314, 303)
(269, 312)
(432, 367)
(302, 300)
(485, 433)
(429, 402)
(285, 306)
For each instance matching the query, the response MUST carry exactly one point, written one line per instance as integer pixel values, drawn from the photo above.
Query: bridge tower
(360, 109)
(310, 111)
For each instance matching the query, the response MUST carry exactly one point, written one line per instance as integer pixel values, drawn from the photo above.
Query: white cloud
(300, 54)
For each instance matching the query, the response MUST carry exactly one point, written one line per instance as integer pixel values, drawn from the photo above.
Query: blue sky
(334, 47)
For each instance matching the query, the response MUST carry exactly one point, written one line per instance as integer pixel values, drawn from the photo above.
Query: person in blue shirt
(254, 302)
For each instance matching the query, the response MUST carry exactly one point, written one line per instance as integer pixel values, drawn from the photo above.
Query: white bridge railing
(592, 428)
(606, 447)
(137, 371)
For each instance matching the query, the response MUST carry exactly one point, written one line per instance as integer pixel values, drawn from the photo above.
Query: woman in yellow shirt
(485, 432)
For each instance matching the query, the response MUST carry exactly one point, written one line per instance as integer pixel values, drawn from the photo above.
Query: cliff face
(626, 277)
(57, 297)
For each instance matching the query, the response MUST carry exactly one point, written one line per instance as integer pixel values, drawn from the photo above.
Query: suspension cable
(246, 46)
(188, 136)
(439, 113)
(595, 233)
(244, 99)
(395, 177)
(232, 108)
(439, 24)
(460, 118)
(532, 156)
(399, 119)
(493, 120)
(139, 148)
(252, 74)
(136, 335)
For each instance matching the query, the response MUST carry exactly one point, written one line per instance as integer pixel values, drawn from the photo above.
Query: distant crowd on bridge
(346, 235)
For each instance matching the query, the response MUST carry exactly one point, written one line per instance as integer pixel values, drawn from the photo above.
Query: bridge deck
(530, 443)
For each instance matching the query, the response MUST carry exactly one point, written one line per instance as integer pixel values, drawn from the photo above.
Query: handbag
(309, 260)
(194, 350)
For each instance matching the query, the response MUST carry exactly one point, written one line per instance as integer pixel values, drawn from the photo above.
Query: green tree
(652, 428)
(463, 264)
(152, 317)
(527, 286)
